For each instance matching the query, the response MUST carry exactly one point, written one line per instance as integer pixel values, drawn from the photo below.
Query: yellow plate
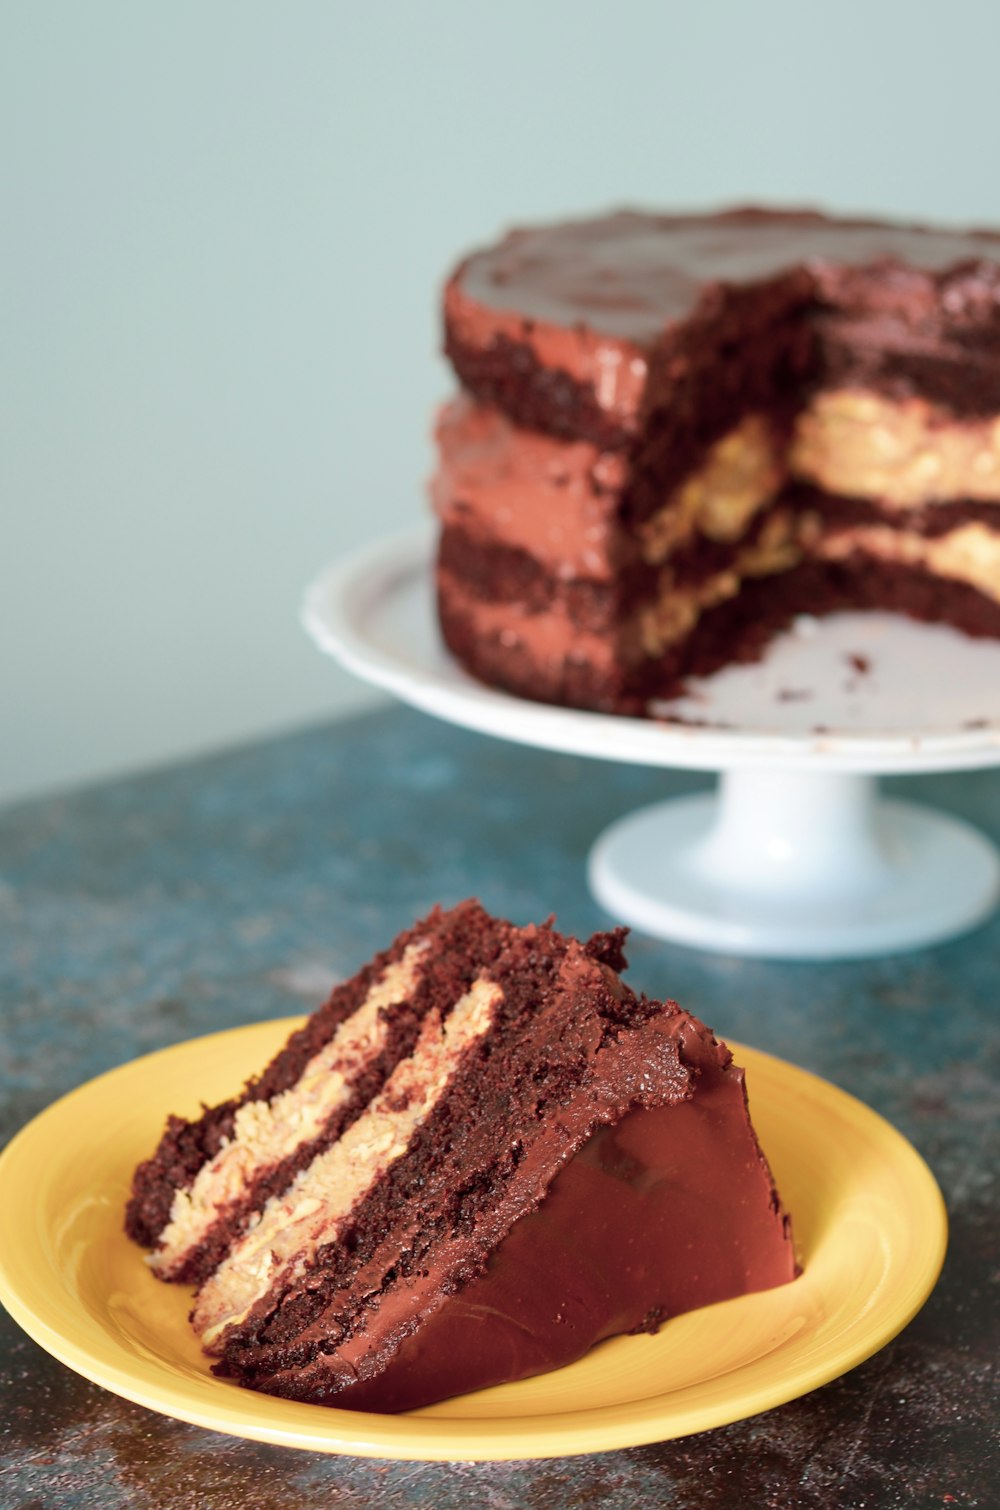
(869, 1223)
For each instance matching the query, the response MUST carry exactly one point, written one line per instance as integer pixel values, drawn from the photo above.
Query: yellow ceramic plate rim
(870, 1224)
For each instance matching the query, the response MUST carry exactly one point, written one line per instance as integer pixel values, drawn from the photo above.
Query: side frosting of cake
(674, 433)
(542, 1159)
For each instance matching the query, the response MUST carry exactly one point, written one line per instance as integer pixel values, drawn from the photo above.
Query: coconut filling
(900, 454)
(970, 553)
(674, 613)
(740, 474)
(906, 453)
(266, 1132)
(312, 1213)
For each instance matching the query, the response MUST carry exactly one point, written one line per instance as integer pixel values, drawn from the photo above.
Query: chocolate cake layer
(941, 518)
(544, 657)
(553, 1161)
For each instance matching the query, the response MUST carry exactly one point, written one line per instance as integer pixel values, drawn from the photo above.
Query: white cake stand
(796, 855)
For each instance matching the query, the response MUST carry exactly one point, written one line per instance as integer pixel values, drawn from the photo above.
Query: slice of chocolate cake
(483, 1155)
(676, 432)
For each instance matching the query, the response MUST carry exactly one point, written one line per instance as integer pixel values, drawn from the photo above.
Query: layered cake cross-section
(481, 1156)
(675, 433)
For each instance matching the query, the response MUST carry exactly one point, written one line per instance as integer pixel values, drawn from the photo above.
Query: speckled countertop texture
(205, 895)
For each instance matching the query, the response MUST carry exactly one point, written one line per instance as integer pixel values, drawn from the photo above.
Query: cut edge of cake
(660, 414)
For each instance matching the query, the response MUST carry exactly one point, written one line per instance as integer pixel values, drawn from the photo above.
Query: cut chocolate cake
(677, 432)
(480, 1157)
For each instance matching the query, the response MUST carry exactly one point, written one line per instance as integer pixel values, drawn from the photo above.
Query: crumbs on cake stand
(662, 714)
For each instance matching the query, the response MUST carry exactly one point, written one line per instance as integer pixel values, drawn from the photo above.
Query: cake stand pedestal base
(795, 865)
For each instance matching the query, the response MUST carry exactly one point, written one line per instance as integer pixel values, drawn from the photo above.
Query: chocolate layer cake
(481, 1156)
(676, 433)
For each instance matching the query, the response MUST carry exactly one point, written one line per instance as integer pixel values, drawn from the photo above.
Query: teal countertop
(234, 889)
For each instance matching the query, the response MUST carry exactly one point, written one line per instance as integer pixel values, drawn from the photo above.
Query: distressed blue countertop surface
(205, 895)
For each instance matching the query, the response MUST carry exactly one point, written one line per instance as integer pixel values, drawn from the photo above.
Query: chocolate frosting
(556, 500)
(578, 329)
(628, 274)
(616, 1219)
(670, 1210)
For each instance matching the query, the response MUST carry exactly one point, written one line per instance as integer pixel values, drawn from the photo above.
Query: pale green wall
(224, 226)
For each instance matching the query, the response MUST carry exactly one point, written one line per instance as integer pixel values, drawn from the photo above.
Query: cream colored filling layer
(903, 453)
(677, 609)
(312, 1212)
(969, 554)
(265, 1132)
(739, 475)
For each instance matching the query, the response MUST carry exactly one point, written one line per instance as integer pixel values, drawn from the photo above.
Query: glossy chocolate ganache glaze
(660, 1210)
(645, 395)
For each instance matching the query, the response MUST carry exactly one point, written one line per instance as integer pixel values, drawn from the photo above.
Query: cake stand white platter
(796, 855)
